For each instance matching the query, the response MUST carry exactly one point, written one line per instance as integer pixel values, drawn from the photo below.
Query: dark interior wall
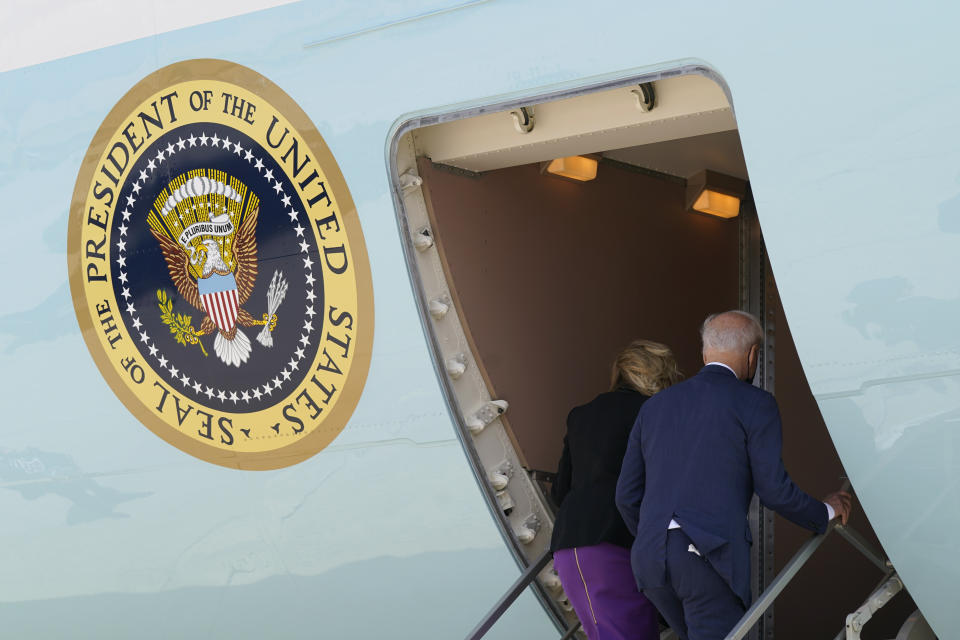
(837, 579)
(555, 277)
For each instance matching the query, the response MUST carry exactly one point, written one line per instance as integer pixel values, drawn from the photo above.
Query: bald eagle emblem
(206, 228)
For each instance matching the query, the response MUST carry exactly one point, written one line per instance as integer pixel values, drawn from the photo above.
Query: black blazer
(586, 482)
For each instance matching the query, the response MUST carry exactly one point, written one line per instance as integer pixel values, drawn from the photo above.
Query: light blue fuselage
(848, 120)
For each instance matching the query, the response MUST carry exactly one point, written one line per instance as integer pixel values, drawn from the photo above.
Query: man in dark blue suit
(697, 453)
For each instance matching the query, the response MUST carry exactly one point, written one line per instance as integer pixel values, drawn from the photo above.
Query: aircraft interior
(547, 236)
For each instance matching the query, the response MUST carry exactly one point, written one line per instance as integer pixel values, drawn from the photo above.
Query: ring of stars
(138, 331)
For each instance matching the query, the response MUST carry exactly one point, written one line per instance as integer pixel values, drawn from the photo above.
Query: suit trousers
(599, 582)
(696, 602)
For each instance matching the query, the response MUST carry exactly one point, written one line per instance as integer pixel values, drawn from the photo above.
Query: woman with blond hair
(591, 544)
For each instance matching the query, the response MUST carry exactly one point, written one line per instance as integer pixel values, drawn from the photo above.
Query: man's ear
(752, 359)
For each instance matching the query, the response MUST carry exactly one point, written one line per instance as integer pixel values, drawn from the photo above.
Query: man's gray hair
(734, 337)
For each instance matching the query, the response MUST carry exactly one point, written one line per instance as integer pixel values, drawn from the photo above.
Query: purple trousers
(599, 582)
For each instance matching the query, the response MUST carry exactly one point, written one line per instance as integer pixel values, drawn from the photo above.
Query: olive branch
(181, 326)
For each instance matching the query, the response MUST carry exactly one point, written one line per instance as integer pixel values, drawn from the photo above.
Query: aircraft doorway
(530, 284)
(556, 277)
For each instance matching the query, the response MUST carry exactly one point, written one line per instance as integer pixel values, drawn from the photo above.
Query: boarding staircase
(915, 627)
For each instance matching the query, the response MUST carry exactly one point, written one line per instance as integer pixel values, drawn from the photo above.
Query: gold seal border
(339, 415)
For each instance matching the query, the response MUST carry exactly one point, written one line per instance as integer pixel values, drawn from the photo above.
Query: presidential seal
(218, 268)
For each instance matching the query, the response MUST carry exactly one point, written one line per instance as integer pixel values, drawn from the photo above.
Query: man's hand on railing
(841, 503)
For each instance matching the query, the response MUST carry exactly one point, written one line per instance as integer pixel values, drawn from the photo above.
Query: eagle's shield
(219, 296)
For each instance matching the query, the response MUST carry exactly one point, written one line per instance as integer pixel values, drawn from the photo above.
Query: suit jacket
(697, 453)
(586, 481)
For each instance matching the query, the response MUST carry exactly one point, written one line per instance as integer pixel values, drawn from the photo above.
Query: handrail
(750, 617)
(760, 606)
(518, 587)
(800, 558)
(861, 545)
(572, 630)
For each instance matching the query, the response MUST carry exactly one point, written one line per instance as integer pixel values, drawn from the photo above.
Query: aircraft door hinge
(646, 96)
(523, 119)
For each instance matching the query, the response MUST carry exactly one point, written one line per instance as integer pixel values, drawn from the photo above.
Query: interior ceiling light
(715, 194)
(581, 168)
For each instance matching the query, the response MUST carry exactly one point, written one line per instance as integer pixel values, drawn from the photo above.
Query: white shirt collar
(720, 364)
